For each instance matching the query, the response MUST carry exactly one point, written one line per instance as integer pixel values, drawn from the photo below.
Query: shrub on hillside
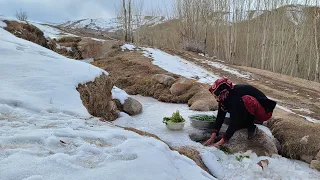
(192, 46)
(69, 39)
(22, 15)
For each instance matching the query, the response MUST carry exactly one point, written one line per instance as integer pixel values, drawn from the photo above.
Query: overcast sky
(64, 10)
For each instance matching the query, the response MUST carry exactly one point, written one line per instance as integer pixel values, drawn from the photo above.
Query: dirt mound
(89, 48)
(133, 72)
(97, 98)
(27, 32)
(299, 138)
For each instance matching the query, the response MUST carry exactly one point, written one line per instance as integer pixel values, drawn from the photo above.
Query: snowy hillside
(111, 25)
(47, 134)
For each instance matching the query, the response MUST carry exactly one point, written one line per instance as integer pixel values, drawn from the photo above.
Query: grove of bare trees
(277, 35)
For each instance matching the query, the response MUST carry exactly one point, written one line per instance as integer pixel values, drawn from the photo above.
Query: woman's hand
(208, 142)
(211, 140)
(218, 144)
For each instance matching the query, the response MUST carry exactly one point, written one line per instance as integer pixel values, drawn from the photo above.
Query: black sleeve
(220, 119)
(237, 115)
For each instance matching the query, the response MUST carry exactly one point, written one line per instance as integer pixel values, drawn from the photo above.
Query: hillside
(110, 25)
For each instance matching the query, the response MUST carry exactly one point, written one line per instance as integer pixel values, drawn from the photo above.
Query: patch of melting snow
(100, 40)
(88, 60)
(303, 110)
(119, 94)
(305, 117)
(224, 68)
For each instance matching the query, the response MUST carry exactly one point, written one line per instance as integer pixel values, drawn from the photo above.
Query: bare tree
(22, 15)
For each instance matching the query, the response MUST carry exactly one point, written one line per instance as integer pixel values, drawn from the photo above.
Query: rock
(315, 164)
(164, 79)
(132, 106)
(203, 101)
(200, 106)
(97, 98)
(318, 156)
(200, 136)
(181, 87)
(261, 144)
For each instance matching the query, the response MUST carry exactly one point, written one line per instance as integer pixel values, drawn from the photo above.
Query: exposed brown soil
(27, 32)
(132, 72)
(97, 98)
(299, 139)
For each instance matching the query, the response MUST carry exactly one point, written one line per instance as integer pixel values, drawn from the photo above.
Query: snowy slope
(41, 78)
(47, 134)
(111, 25)
(177, 65)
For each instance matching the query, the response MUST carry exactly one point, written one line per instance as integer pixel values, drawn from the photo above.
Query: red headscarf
(221, 88)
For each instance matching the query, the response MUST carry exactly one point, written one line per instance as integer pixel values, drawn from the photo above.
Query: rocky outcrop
(97, 98)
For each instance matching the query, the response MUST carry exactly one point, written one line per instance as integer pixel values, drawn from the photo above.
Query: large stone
(315, 164)
(132, 106)
(164, 79)
(261, 144)
(181, 87)
(203, 101)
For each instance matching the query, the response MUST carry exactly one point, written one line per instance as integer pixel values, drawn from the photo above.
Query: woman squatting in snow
(246, 106)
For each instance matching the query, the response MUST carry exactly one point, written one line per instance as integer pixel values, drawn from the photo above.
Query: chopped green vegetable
(241, 157)
(176, 118)
(204, 118)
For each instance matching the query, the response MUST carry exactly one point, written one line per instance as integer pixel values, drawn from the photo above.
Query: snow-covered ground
(221, 165)
(224, 68)
(177, 65)
(50, 32)
(47, 134)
